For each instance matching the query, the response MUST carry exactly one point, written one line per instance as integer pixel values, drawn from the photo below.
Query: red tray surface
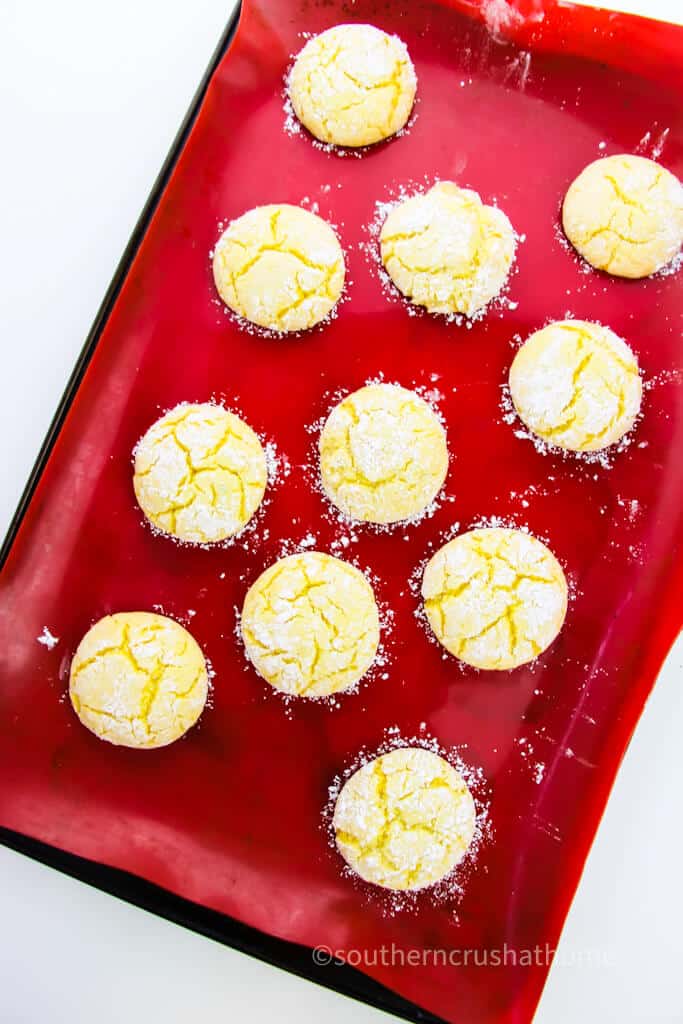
(230, 817)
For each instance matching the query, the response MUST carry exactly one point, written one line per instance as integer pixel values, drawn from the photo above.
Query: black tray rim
(287, 956)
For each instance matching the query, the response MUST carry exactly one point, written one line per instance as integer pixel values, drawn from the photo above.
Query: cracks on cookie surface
(500, 588)
(383, 457)
(603, 392)
(275, 234)
(233, 464)
(289, 629)
(624, 217)
(441, 280)
(139, 705)
(404, 820)
(324, 88)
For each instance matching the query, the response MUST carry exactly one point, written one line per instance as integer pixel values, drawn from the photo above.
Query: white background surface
(91, 95)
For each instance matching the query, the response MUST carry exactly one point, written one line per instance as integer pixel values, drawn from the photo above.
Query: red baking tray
(223, 830)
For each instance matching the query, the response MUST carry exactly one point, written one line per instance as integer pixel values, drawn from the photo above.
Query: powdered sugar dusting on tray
(500, 15)
(651, 145)
(47, 639)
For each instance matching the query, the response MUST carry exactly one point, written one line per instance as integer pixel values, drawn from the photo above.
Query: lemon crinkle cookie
(383, 454)
(138, 680)
(495, 597)
(279, 267)
(353, 85)
(200, 473)
(624, 215)
(310, 625)
(447, 251)
(404, 820)
(576, 385)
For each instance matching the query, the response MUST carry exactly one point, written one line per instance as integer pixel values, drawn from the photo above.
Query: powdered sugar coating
(447, 251)
(138, 679)
(576, 384)
(310, 625)
(200, 473)
(624, 215)
(495, 597)
(393, 901)
(404, 820)
(383, 454)
(353, 85)
(279, 267)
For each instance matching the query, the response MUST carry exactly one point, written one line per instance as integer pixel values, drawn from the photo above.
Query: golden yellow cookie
(447, 251)
(624, 215)
(200, 473)
(383, 454)
(138, 680)
(353, 85)
(280, 267)
(495, 598)
(310, 625)
(576, 385)
(404, 820)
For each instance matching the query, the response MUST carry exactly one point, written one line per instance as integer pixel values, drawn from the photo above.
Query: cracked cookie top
(279, 267)
(353, 85)
(310, 625)
(576, 384)
(404, 820)
(383, 454)
(445, 250)
(624, 215)
(138, 680)
(200, 473)
(495, 597)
